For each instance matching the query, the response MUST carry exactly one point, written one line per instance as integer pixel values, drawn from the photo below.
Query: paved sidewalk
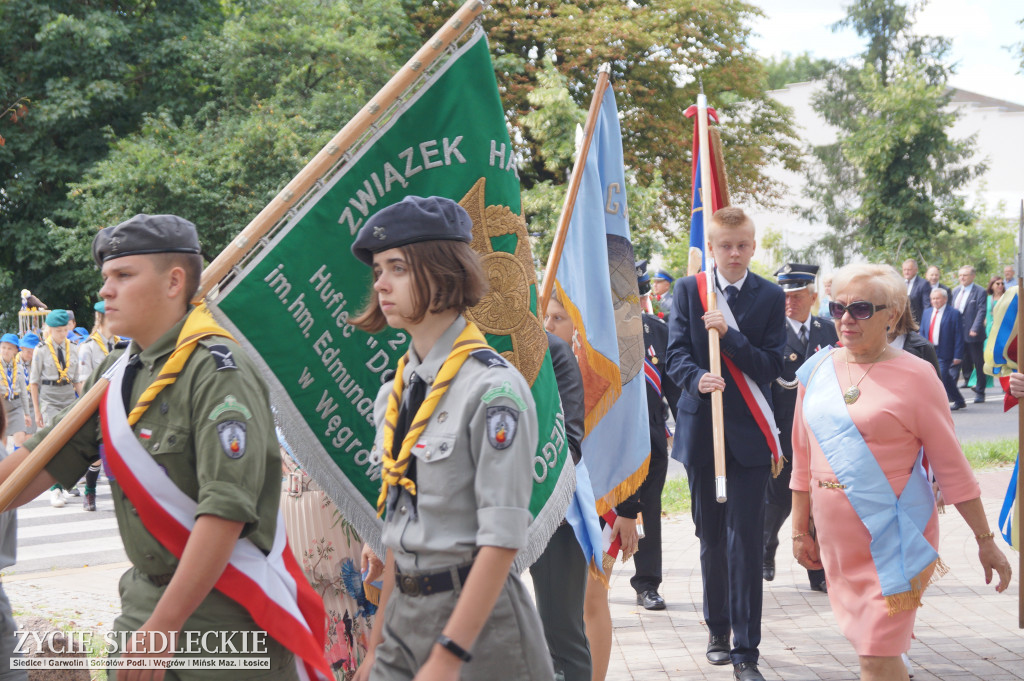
(965, 631)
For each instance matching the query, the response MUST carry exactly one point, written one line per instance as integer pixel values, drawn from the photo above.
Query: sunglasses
(860, 309)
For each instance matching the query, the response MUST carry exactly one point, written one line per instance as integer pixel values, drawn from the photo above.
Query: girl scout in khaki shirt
(456, 470)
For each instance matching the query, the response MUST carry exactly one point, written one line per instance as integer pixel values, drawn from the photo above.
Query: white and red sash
(752, 395)
(271, 588)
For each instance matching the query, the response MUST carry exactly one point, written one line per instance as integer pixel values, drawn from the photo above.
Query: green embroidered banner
(291, 304)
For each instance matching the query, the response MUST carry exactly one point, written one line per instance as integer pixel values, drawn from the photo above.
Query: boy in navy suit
(753, 335)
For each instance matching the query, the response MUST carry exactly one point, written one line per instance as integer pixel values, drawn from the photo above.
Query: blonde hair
(730, 217)
(883, 280)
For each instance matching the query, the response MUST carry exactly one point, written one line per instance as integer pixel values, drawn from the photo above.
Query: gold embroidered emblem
(505, 310)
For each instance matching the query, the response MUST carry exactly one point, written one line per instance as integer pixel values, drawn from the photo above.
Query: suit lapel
(745, 299)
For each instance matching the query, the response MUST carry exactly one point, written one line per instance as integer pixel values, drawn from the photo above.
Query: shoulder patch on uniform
(230, 403)
(232, 438)
(502, 423)
(489, 357)
(504, 390)
(222, 356)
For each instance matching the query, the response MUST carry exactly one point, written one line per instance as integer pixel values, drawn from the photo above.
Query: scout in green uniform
(53, 380)
(91, 353)
(457, 467)
(14, 389)
(26, 348)
(151, 270)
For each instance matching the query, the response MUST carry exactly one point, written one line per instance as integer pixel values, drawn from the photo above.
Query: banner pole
(271, 214)
(714, 349)
(603, 77)
(1020, 418)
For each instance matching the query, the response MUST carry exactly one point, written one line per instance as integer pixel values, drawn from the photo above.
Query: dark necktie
(60, 358)
(128, 380)
(731, 293)
(803, 336)
(413, 399)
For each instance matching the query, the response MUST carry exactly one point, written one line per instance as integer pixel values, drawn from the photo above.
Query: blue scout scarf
(898, 547)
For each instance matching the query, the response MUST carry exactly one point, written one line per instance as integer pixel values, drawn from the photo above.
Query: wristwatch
(454, 648)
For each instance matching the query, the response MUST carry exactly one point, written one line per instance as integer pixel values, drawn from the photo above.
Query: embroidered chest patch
(501, 426)
(232, 438)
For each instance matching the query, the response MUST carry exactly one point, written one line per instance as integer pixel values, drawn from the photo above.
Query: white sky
(980, 29)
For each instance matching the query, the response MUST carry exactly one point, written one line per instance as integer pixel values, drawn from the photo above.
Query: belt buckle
(294, 484)
(410, 585)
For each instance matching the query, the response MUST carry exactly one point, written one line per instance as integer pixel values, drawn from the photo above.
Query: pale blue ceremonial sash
(898, 546)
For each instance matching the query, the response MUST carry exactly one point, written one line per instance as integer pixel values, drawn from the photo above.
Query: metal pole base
(720, 489)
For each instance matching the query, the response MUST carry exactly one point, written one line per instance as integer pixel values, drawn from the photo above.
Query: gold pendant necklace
(852, 394)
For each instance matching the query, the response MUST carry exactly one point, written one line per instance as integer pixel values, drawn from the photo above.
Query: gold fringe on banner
(910, 600)
(624, 489)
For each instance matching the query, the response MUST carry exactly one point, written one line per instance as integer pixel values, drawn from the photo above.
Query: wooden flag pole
(1020, 420)
(714, 349)
(603, 77)
(320, 165)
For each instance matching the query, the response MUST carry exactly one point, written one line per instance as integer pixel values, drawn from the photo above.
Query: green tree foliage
(657, 52)
(553, 124)
(285, 77)
(888, 188)
(73, 75)
(794, 69)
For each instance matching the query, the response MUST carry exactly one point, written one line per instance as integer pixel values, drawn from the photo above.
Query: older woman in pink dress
(866, 414)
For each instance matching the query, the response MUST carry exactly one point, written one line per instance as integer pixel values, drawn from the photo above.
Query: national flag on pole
(596, 284)
(719, 192)
(291, 303)
(1000, 361)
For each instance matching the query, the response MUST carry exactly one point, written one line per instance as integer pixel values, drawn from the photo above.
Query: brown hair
(451, 268)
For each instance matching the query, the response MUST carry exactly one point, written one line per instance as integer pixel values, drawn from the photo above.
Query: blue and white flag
(596, 284)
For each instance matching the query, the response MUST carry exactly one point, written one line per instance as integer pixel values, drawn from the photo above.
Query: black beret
(413, 219)
(145, 234)
(643, 280)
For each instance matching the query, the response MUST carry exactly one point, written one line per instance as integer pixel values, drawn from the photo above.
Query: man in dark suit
(932, 276)
(731, 534)
(943, 328)
(971, 301)
(917, 289)
(660, 387)
(805, 335)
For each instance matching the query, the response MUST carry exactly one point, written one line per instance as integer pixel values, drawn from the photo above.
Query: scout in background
(26, 348)
(54, 381)
(15, 390)
(456, 503)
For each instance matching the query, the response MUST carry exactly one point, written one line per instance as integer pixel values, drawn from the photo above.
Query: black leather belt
(159, 580)
(432, 582)
(47, 381)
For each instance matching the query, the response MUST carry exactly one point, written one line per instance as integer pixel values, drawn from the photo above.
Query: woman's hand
(625, 530)
(371, 567)
(805, 550)
(363, 671)
(993, 559)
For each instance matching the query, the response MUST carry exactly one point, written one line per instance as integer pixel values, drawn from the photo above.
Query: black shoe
(718, 649)
(746, 671)
(819, 586)
(979, 399)
(651, 600)
(89, 502)
(955, 407)
(768, 570)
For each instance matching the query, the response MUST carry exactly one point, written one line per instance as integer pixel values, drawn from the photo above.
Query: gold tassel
(372, 593)
(911, 600)
(596, 573)
(624, 489)
(778, 465)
